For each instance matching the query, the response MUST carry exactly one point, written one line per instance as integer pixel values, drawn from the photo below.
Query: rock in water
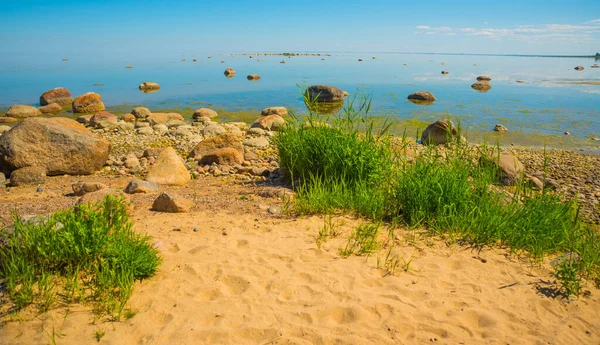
(421, 96)
(579, 68)
(173, 203)
(169, 169)
(500, 128)
(28, 176)
(481, 86)
(21, 111)
(229, 71)
(149, 86)
(325, 93)
(60, 145)
(58, 95)
(88, 103)
(484, 78)
(438, 133)
(253, 77)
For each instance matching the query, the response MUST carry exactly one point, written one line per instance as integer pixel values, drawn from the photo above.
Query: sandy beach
(253, 276)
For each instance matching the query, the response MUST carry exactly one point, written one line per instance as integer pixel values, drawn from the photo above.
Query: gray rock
(256, 131)
(141, 112)
(125, 126)
(145, 131)
(260, 142)
(160, 128)
(213, 130)
(438, 133)
(139, 186)
(325, 93)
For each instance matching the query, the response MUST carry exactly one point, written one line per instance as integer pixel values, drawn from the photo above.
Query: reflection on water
(325, 108)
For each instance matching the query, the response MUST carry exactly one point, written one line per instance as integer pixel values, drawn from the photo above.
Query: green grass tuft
(90, 254)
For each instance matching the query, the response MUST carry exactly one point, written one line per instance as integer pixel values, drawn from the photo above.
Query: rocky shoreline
(242, 152)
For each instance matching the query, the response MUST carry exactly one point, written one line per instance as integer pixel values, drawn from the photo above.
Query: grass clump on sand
(451, 191)
(90, 254)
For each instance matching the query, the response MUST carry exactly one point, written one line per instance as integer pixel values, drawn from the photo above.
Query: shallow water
(541, 108)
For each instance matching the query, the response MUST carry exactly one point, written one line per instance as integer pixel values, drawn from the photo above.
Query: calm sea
(537, 111)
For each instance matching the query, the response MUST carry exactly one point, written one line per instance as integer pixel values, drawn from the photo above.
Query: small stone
(139, 186)
(172, 203)
(39, 190)
(274, 210)
(196, 229)
(224, 232)
(500, 128)
(82, 188)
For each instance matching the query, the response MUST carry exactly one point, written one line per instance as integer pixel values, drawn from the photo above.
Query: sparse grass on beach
(345, 166)
(90, 254)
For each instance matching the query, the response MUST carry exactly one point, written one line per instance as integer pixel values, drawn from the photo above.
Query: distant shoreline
(310, 53)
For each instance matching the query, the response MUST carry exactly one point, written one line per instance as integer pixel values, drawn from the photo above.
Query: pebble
(196, 229)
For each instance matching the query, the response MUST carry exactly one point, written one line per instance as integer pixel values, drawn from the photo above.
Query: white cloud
(587, 32)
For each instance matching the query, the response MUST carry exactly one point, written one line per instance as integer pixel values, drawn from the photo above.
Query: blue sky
(122, 29)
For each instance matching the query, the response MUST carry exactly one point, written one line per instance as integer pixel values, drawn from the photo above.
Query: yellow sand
(264, 281)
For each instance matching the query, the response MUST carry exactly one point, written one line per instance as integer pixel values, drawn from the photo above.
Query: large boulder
(21, 111)
(421, 96)
(204, 112)
(269, 123)
(159, 118)
(149, 86)
(88, 103)
(281, 111)
(28, 176)
(61, 145)
(325, 93)
(438, 133)
(173, 203)
(58, 95)
(50, 108)
(103, 116)
(4, 128)
(217, 142)
(169, 169)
